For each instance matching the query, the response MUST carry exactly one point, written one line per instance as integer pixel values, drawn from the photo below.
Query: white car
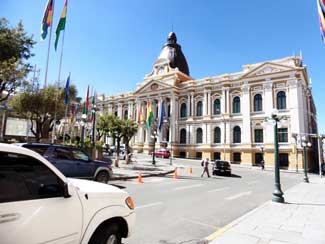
(38, 204)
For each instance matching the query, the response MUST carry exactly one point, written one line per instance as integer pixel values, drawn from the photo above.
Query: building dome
(173, 52)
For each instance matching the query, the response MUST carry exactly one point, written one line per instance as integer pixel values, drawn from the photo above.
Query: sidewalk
(143, 166)
(300, 220)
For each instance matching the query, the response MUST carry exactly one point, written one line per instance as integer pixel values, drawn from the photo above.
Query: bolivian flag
(149, 115)
(47, 19)
(61, 24)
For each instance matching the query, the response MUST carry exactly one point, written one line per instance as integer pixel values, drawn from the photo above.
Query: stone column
(172, 119)
(223, 101)
(192, 104)
(120, 111)
(205, 103)
(189, 105)
(208, 134)
(209, 103)
(110, 109)
(160, 133)
(188, 134)
(245, 108)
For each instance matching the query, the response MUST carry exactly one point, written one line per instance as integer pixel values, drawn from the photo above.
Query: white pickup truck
(40, 205)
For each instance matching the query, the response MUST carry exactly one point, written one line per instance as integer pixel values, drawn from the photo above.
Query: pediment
(266, 68)
(152, 86)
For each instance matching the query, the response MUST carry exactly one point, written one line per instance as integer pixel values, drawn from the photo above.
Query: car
(163, 153)
(221, 167)
(38, 204)
(73, 161)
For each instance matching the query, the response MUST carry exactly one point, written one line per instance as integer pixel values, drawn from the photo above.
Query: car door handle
(9, 217)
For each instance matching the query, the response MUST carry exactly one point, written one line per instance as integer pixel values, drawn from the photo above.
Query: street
(190, 208)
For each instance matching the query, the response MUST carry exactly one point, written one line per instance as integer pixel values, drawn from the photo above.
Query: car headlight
(129, 202)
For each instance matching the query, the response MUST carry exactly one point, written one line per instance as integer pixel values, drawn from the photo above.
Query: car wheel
(102, 177)
(107, 235)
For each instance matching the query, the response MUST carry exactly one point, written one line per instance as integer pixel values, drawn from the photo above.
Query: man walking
(205, 164)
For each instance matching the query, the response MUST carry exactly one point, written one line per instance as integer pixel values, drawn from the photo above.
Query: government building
(225, 116)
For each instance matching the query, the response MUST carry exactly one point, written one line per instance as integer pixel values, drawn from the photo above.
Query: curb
(143, 176)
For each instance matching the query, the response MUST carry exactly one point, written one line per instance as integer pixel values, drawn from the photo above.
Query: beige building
(223, 116)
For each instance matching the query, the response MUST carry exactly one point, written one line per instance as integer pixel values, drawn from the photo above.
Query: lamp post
(93, 139)
(305, 143)
(154, 136)
(277, 193)
(262, 150)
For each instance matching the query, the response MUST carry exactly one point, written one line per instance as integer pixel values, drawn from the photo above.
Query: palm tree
(129, 129)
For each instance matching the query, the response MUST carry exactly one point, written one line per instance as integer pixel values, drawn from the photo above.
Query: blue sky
(112, 44)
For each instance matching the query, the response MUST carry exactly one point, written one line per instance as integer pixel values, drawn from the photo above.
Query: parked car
(221, 167)
(73, 161)
(162, 153)
(38, 204)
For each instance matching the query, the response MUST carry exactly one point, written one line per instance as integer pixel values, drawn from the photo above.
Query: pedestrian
(323, 168)
(205, 165)
(262, 165)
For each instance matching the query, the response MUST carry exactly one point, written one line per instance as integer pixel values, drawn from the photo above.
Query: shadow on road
(306, 204)
(232, 176)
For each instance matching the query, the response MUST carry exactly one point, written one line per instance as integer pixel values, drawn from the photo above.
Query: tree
(39, 106)
(129, 129)
(15, 49)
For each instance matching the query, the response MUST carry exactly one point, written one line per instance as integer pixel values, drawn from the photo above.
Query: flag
(84, 111)
(149, 115)
(66, 94)
(87, 101)
(47, 19)
(321, 14)
(61, 24)
(93, 102)
(162, 115)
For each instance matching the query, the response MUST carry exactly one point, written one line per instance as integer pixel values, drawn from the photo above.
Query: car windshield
(80, 155)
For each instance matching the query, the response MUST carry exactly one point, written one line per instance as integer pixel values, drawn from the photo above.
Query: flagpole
(48, 49)
(59, 78)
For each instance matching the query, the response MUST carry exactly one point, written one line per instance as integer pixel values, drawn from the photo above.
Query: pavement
(300, 220)
(143, 167)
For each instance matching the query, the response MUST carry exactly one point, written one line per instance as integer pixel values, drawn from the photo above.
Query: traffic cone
(140, 179)
(190, 170)
(175, 174)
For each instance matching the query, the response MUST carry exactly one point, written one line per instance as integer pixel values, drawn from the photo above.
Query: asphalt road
(190, 208)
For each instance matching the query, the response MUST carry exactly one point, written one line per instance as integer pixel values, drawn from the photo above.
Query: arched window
(125, 114)
(216, 106)
(183, 110)
(281, 100)
(258, 102)
(217, 135)
(199, 108)
(199, 136)
(236, 105)
(183, 136)
(237, 135)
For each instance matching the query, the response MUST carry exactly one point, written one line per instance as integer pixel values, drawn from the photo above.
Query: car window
(25, 178)
(39, 149)
(80, 155)
(63, 153)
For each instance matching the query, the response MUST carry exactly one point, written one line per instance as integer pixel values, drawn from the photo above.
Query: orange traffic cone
(175, 174)
(140, 179)
(190, 170)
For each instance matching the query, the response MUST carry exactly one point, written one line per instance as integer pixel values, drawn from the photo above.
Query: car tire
(102, 177)
(107, 235)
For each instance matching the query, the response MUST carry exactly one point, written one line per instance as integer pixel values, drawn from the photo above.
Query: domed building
(224, 116)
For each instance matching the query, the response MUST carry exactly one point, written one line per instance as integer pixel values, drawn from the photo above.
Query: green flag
(61, 24)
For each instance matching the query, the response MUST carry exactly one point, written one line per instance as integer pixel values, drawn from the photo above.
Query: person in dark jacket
(323, 169)
(205, 165)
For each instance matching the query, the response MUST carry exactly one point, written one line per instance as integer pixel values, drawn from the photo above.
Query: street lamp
(93, 110)
(154, 136)
(277, 193)
(262, 150)
(305, 143)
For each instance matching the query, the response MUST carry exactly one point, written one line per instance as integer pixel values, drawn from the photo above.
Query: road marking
(239, 195)
(219, 189)
(187, 187)
(252, 182)
(200, 223)
(149, 205)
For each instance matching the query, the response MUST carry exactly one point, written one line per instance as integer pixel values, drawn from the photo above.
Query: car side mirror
(66, 191)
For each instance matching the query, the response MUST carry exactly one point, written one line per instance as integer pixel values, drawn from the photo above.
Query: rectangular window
(258, 134)
(216, 155)
(237, 157)
(283, 134)
(198, 155)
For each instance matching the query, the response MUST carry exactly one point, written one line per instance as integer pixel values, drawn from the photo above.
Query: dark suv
(73, 161)
(221, 167)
